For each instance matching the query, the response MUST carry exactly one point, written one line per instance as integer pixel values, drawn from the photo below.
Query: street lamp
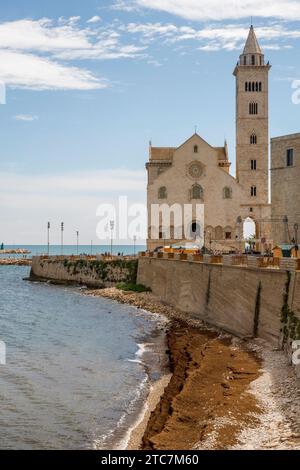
(134, 243)
(112, 226)
(62, 227)
(77, 240)
(48, 237)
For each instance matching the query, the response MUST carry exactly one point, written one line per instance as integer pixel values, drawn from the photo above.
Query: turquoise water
(82, 249)
(75, 375)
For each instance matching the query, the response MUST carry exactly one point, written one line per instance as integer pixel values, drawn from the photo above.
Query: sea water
(77, 367)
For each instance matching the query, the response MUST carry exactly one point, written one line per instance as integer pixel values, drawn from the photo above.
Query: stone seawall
(245, 301)
(92, 273)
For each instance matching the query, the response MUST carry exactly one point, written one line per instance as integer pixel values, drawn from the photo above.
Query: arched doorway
(249, 234)
(195, 231)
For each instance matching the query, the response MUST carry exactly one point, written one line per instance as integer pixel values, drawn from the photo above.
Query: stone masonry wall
(94, 273)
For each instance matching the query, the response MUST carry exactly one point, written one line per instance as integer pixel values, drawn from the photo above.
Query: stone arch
(219, 235)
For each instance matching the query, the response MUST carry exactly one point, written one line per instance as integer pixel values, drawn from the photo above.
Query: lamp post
(112, 226)
(77, 241)
(48, 237)
(62, 227)
(134, 244)
(91, 247)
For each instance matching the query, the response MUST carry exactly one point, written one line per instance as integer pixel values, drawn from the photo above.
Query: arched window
(253, 139)
(256, 86)
(253, 86)
(162, 193)
(260, 86)
(246, 86)
(253, 60)
(253, 108)
(253, 191)
(245, 60)
(195, 148)
(228, 233)
(227, 193)
(219, 233)
(197, 192)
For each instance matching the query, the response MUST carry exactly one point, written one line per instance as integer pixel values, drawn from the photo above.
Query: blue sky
(90, 83)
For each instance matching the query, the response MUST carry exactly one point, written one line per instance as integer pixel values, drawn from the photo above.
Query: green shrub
(130, 287)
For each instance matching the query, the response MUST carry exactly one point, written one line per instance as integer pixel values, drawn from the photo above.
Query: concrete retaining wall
(244, 301)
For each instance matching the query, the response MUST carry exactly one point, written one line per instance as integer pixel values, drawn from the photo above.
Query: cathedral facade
(198, 173)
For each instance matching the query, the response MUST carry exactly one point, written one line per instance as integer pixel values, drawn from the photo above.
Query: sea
(67, 250)
(78, 368)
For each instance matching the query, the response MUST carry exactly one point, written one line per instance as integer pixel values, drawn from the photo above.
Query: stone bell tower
(252, 124)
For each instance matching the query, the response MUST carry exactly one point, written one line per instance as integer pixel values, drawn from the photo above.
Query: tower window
(162, 193)
(245, 60)
(253, 60)
(253, 165)
(227, 193)
(195, 148)
(253, 108)
(290, 157)
(253, 139)
(253, 86)
(253, 191)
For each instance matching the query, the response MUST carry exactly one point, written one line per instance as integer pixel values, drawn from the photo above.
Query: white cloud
(22, 70)
(212, 38)
(204, 10)
(125, 5)
(26, 117)
(31, 52)
(94, 19)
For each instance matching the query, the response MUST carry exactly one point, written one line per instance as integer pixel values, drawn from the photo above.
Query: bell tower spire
(252, 122)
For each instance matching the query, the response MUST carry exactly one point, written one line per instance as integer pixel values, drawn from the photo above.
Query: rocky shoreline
(15, 251)
(224, 393)
(15, 262)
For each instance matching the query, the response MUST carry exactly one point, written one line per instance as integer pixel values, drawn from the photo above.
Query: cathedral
(199, 173)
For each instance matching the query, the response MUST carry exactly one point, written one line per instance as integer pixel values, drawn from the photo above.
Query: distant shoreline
(16, 251)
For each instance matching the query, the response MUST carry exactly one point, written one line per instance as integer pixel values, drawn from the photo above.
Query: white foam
(142, 349)
(99, 443)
